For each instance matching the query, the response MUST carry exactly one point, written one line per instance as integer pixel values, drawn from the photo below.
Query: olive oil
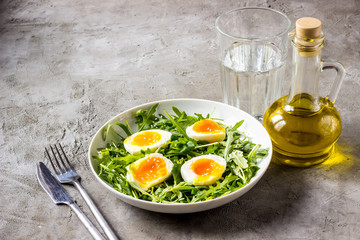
(302, 137)
(302, 125)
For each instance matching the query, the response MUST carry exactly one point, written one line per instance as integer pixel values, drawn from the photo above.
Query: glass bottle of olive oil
(302, 125)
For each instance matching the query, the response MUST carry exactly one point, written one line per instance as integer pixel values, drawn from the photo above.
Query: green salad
(235, 147)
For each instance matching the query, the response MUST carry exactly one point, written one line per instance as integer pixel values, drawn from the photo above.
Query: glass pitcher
(304, 126)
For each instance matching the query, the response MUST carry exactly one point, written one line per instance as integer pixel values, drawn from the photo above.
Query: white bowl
(252, 127)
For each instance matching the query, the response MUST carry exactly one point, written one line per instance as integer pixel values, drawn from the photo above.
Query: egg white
(209, 137)
(130, 176)
(135, 149)
(190, 176)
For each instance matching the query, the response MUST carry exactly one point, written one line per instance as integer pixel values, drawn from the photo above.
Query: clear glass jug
(304, 126)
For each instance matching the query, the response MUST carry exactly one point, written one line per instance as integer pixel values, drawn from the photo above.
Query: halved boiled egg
(203, 170)
(206, 130)
(149, 139)
(149, 171)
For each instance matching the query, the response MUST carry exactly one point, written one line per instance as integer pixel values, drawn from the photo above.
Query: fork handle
(105, 226)
(90, 227)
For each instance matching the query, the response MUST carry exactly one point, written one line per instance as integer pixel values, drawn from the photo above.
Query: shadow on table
(278, 198)
(275, 196)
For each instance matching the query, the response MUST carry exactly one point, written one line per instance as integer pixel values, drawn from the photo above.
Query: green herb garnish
(239, 152)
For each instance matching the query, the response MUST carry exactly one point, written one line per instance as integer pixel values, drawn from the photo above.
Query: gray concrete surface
(68, 66)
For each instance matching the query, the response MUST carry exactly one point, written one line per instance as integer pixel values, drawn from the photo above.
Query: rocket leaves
(239, 152)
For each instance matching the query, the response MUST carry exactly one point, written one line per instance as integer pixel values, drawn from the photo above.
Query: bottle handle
(340, 74)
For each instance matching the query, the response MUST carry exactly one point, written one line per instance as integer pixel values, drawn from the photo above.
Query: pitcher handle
(340, 74)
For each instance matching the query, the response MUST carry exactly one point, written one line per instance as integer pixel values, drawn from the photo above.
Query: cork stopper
(308, 27)
(309, 36)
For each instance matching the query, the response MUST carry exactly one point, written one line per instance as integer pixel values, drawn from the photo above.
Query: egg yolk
(207, 126)
(151, 168)
(146, 138)
(205, 168)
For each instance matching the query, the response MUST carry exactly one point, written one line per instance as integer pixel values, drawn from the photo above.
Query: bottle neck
(306, 68)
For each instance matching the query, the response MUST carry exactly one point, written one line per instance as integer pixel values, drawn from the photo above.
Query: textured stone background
(68, 66)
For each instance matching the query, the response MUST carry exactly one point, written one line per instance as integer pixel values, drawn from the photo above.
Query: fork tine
(52, 164)
(56, 160)
(66, 158)
(61, 159)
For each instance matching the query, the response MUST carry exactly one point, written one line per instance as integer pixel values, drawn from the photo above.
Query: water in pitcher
(252, 76)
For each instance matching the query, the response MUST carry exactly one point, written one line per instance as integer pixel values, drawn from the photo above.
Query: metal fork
(65, 173)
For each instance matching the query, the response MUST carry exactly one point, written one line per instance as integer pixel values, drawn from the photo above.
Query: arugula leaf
(125, 128)
(238, 158)
(237, 125)
(143, 117)
(178, 127)
(107, 130)
(232, 136)
(240, 153)
(177, 112)
(109, 127)
(176, 173)
(253, 151)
